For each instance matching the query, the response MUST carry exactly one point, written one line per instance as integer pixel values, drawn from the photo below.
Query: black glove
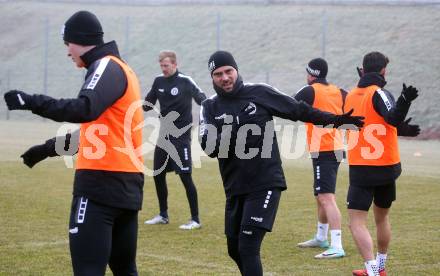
(409, 93)
(359, 70)
(147, 106)
(350, 122)
(16, 99)
(407, 130)
(34, 155)
(246, 114)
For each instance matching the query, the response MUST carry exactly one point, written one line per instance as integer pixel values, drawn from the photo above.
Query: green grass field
(34, 210)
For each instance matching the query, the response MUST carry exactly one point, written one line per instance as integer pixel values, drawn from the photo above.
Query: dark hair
(374, 62)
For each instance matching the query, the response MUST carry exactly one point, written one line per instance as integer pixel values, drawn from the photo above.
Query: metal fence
(37, 62)
(47, 77)
(253, 2)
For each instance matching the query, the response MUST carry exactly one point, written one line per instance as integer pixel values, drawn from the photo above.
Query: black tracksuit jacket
(175, 93)
(116, 189)
(225, 112)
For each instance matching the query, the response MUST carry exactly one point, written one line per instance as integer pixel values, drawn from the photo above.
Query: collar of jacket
(173, 76)
(373, 78)
(320, 80)
(235, 91)
(100, 51)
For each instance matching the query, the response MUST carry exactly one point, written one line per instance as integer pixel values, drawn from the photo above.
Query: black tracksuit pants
(101, 235)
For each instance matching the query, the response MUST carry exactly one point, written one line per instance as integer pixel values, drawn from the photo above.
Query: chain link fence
(272, 44)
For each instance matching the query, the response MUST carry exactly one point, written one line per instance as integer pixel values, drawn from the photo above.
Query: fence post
(8, 87)
(46, 55)
(218, 30)
(324, 32)
(127, 38)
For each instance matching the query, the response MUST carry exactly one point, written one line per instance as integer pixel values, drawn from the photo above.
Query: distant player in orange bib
(326, 150)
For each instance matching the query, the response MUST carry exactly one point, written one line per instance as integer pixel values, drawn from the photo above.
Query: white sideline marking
(36, 244)
(160, 257)
(181, 260)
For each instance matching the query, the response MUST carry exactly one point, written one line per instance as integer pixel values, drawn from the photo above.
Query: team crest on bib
(174, 91)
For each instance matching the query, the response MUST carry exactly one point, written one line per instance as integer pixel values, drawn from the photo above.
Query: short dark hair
(374, 62)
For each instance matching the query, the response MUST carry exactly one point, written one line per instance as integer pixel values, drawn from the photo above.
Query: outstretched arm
(286, 107)
(96, 95)
(67, 145)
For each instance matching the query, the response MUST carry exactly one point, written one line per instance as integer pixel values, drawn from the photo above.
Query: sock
(322, 231)
(164, 214)
(381, 260)
(195, 218)
(336, 236)
(372, 268)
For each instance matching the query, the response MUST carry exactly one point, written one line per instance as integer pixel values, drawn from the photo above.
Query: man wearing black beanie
(83, 28)
(108, 183)
(327, 150)
(250, 163)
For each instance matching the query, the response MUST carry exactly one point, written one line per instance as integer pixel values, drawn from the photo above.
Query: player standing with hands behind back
(326, 150)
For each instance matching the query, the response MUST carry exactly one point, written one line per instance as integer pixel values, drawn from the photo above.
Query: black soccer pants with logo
(101, 235)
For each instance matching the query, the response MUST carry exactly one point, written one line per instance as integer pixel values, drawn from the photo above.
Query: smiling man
(236, 127)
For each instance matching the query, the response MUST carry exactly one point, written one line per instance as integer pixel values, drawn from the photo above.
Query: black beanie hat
(83, 28)
(219, 59)
(317, 67)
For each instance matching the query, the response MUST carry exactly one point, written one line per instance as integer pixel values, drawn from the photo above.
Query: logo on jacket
(227, 119)
(251, 108)
(161, 90)
(257, 219)
(73, 230)
(174, 91)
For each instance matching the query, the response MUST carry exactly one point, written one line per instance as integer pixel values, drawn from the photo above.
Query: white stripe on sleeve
(98, 73)
(384, 98)
(191, 80)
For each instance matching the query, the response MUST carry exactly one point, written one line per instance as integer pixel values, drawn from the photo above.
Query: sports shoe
(363, 272)
(190, 225)
(314, 243)
(331, 253)
(157, 220)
